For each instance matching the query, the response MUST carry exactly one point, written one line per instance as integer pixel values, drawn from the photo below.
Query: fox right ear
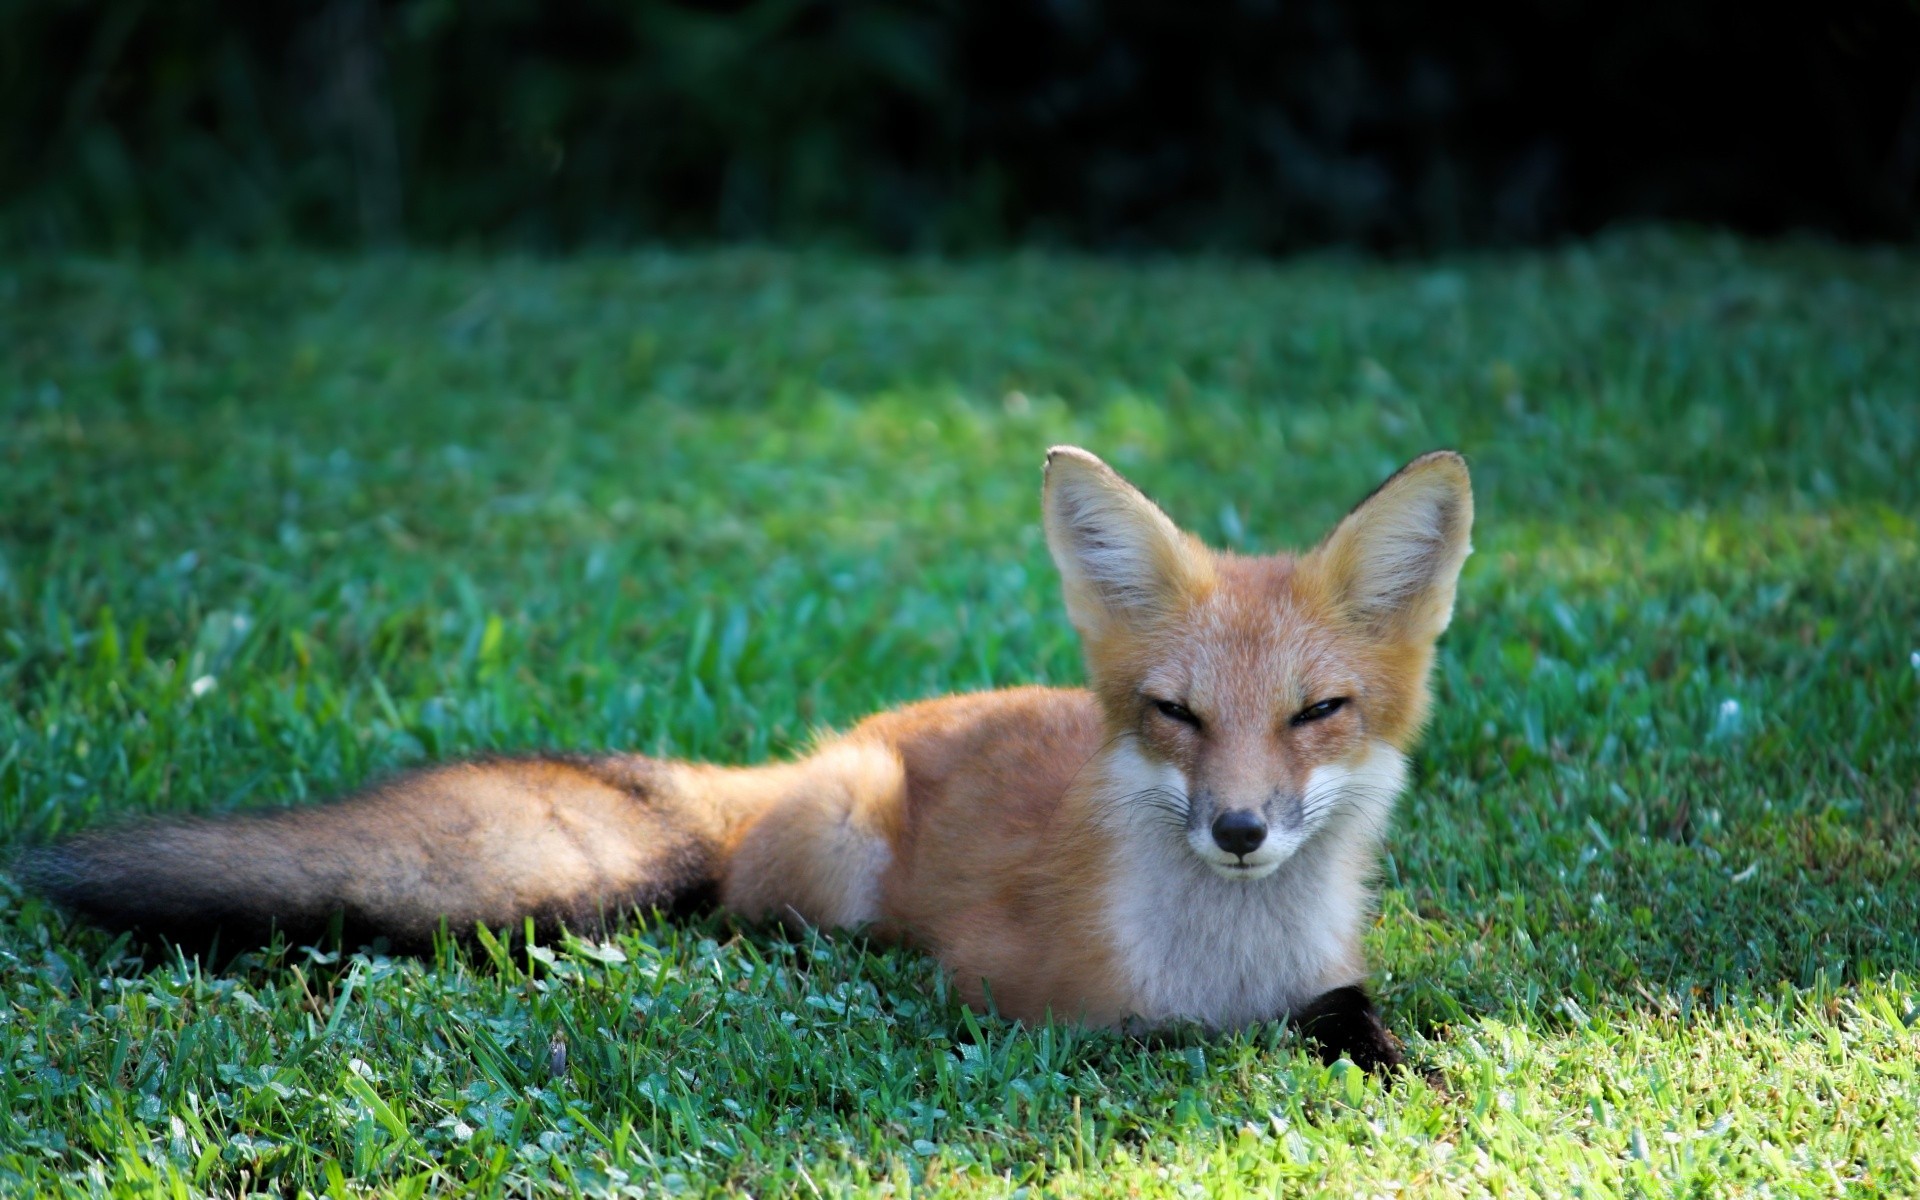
(1122, 561)
(1393, 561)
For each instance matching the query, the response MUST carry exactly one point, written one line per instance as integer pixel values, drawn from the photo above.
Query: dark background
(1264, 125)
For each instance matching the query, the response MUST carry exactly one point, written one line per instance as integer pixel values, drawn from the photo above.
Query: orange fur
(1061, 851)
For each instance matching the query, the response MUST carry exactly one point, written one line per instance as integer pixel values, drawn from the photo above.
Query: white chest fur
(1198, 947)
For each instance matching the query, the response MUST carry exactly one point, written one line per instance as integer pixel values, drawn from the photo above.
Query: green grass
(1652, 912)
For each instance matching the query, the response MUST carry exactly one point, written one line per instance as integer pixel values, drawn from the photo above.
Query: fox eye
(1177, 712)
(1315, 712)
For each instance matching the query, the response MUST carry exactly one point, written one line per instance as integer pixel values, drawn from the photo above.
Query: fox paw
(1343, 1023)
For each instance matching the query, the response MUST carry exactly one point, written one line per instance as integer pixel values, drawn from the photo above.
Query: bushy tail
(563, 840)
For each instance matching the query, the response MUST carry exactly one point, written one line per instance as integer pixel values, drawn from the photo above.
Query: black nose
(1239, 831)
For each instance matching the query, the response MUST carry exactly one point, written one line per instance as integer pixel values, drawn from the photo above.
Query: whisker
(1162, 805)
(1319, 800)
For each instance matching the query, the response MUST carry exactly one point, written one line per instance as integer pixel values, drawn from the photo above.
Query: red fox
(1191, 839)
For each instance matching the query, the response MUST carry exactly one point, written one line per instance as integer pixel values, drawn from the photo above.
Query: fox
(1191, 839)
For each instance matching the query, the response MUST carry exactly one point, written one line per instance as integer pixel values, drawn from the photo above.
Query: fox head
(1265, 699)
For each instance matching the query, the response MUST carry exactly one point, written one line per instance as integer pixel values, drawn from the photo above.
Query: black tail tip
(54, 872)
(90, 878)
(63, 874)
(83, 879)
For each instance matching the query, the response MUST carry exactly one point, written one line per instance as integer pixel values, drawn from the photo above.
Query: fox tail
(562, 840)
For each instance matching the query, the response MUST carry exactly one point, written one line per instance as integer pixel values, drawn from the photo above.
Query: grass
(1651, 912)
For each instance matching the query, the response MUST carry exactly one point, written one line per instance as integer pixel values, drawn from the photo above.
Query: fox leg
(1345, 1022)
(818, 850)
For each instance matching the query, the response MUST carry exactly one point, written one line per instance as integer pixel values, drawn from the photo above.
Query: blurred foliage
(1263, 124)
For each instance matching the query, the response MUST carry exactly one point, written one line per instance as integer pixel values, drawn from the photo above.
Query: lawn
(1651, 912)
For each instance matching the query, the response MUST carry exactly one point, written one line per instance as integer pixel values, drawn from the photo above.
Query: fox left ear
(1123, 563)
(1393, 561)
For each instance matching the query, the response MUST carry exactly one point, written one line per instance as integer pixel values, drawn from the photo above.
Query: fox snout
(1247, 841)
(1239, 831)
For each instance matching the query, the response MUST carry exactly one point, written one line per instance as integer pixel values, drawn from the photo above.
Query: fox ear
(1122, 561)
(1393, 561)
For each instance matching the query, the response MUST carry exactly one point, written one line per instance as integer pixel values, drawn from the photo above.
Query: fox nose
(1239, 831)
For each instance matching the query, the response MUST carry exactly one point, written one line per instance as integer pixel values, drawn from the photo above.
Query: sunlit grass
(271, 526)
